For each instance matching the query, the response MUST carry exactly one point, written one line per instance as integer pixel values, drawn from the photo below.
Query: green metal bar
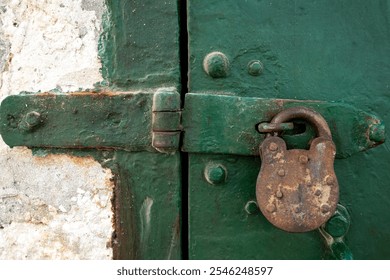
(226, 124)
(78, 120)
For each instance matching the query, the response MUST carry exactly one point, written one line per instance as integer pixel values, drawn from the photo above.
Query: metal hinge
(166, 121)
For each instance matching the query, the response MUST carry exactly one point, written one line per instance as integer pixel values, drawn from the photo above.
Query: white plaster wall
(58, 206)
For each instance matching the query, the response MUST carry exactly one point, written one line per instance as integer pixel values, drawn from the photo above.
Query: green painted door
(333, 51)
(185, 85)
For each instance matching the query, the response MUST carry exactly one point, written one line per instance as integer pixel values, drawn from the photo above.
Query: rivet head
(30, 120)
(303, 159)
(215, 174)
(216, 65)
(273, 146)
(271, 208)
(281, 172)
(325, 208)
(251, 207)
(279, 194)
(255, 67)
(329, 180)
(318, 192)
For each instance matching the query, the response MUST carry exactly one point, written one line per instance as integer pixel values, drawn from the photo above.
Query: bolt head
(377, 133)
(215, 174)
(216, 65)
(281, 172)
(33, 118)
(30, 121)
(255, 67)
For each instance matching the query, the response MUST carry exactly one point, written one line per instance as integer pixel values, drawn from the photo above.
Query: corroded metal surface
(297, 190)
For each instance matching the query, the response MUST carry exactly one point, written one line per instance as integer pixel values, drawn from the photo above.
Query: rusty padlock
(297, 190)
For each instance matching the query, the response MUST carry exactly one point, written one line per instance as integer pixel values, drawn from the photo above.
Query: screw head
(33, 118)
(325, 208)
(216, 65)
(271, 208)
(255, 67)
(273, 146)
(279, 194)
(281, 172)
(318, 192)
(30, 120)
(303, 159)
(215, 174)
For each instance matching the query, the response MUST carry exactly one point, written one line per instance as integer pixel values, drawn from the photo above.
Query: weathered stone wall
(58, 206)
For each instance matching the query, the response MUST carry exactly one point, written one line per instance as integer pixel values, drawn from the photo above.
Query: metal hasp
(297, 189)
(130, 121)
(228, 124)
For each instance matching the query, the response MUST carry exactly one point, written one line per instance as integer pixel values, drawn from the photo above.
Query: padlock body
(297, 190)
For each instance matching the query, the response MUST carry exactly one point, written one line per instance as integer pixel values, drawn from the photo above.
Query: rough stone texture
(52, 44)
(58, 206)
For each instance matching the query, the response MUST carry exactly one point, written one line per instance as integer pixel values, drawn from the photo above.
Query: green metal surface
(139, 46)
(113, 120)
(325, 49)
(226, 224)
(228, 124)
(148, 214)
(334, 51)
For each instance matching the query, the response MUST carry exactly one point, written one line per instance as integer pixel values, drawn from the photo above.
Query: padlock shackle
(315, 119)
